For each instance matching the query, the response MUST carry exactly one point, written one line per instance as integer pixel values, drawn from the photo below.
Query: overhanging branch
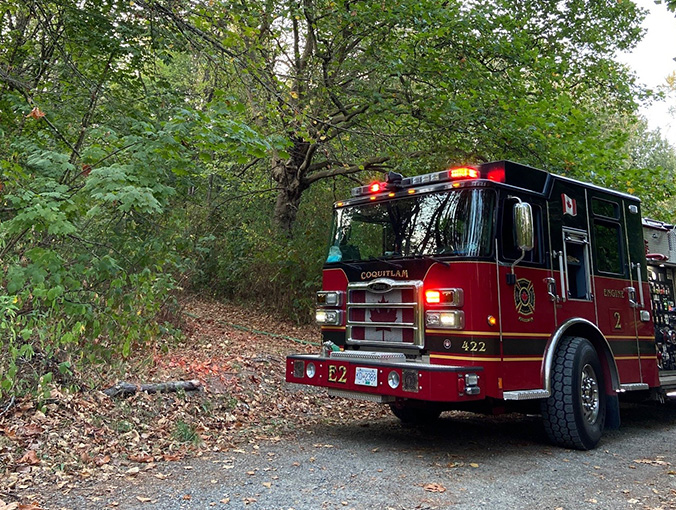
(370, 164)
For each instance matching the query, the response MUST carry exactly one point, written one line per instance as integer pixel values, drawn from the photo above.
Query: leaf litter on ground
(236, 352)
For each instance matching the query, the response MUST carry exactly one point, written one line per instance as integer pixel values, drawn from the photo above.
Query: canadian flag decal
(569, 205)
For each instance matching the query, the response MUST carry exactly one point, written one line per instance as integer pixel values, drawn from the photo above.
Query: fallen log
(123, 388)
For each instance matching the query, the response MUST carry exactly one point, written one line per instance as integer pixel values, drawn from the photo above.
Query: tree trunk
(289, 176)
(286, 209)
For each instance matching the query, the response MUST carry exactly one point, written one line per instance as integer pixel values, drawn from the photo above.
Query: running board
(525, 394)
(668, 382)
(634, 387)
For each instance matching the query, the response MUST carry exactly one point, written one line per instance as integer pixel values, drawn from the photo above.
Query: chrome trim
(418, 324)
(368, 355)
(457, 313)
(390, 305)
(554, 343)
(525, 394)
(634, 387)
(458, 298)
(562, 276)
(355, 395)
(397, 325)
(339, 296)
(637, 266)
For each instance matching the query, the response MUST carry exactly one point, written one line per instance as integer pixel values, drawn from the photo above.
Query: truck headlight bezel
(445, 319)
(328, 317)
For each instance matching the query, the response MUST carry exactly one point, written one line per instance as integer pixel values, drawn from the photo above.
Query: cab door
(571, 253)
(526, 310)
(616, 291)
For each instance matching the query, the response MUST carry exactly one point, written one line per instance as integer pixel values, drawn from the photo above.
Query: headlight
(329, 298)
(328, 317)
(393, 380)
(452, 319)
(471, 379)
(310, 370)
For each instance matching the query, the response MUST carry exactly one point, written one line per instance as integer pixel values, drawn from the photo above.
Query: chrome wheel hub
(589, 394)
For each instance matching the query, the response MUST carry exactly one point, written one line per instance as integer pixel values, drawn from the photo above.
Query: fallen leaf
(141, 458)
(143, 499)
(30, 457)
(434, 487)
(474, 464)
(100, 461)
(267, 484)
(225, 501)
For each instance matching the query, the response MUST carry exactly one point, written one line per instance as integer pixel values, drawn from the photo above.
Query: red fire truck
(488, 288)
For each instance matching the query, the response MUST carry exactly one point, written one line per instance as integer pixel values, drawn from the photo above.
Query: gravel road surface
(464, 461)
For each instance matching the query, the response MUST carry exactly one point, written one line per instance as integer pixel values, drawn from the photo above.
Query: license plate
(366, 376)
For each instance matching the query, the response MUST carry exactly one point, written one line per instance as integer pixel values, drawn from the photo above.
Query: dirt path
(252, 441)
(463, 462)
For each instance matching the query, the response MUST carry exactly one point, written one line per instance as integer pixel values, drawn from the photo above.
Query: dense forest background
(154, 147)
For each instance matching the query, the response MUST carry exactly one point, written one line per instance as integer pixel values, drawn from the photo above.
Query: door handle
(551, 289)
(631, 295)
(637, 266)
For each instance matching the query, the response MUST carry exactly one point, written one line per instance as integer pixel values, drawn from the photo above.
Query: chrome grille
(385, 312)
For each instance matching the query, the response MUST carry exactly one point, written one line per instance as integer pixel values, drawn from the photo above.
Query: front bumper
(369, 379)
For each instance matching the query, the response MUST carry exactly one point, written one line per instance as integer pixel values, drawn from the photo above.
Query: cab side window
(608, 245)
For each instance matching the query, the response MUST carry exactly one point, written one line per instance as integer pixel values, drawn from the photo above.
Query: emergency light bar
(396, 182)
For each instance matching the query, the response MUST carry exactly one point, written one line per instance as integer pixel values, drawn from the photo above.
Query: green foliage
(145, 147)
(186, 433)
(94, 185)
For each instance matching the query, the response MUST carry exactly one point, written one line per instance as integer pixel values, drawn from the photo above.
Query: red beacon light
(375, 187)
(464, 172)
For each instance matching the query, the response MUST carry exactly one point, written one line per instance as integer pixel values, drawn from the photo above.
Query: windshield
(453, 223)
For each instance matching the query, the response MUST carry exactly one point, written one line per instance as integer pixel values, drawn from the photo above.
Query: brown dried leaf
(36, 113)
(141, 458)
(434, 487)
(101, 460)
(30, 457)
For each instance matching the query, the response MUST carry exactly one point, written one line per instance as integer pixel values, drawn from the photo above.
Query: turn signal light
(432, 297)
(447, 297)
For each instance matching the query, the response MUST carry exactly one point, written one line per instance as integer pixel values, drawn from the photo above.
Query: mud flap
(612, 412)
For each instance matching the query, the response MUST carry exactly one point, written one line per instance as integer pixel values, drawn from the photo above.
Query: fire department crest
(524, 297)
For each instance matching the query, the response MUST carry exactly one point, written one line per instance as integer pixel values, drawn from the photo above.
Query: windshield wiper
(437, 259)
(353, 266)
(385, 261)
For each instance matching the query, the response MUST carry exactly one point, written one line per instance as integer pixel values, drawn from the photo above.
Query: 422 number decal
(472, 346)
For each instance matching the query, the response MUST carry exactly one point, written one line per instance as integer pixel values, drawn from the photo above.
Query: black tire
(415, 414)
(575, 413)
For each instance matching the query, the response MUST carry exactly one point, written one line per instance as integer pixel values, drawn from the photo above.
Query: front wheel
(574, 414)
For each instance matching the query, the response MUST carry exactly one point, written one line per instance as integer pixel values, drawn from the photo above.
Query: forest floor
(237, 353)
(250, 441)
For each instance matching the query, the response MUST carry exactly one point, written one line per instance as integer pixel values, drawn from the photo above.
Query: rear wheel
(415, 414)
(575, 412)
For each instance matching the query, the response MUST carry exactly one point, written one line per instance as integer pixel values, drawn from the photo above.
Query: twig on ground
(124, 388)
(8, 407)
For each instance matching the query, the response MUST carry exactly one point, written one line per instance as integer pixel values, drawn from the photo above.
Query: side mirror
(523, 226)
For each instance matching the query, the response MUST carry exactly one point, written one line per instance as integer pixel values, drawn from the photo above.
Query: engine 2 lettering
(338, 374)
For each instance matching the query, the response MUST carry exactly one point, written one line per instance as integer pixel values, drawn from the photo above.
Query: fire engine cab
(488, 288)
